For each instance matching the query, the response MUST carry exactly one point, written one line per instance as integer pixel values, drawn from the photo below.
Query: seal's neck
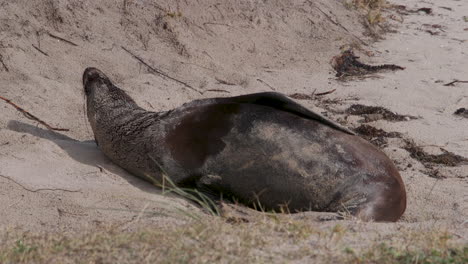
(110, 106)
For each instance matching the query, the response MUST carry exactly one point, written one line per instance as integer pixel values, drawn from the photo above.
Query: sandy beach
(60, 181)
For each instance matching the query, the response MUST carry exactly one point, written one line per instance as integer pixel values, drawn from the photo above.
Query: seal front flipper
(281, 102)
(214, 188)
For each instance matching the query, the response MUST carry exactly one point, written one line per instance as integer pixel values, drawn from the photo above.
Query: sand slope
(61, 181)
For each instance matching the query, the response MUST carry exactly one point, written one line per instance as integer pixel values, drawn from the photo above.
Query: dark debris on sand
(313, 96)
(446, 158)
(347, 64)
(374, 135)
(404, 10)
(302, 96)
(379, 138)
(462, 112)
(372, 113)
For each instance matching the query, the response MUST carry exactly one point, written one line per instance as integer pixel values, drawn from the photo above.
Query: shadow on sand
(85, 152)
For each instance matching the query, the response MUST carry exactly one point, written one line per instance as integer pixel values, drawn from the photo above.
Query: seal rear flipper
(281, 102)
(209, 185)
(214, 188)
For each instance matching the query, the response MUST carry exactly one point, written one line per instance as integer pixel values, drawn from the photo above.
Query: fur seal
(261, 148)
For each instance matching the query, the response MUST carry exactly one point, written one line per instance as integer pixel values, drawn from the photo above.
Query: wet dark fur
(261, 149)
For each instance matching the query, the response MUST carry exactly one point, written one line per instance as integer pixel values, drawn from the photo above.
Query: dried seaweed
(402, 9)
(379, 137)
(462, 112)
(374, 135)
(447, 158)
(303, 96)
(347, 64)
(430, 161)
(372, 113)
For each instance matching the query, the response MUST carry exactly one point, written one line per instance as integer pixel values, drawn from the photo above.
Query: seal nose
(90, 74)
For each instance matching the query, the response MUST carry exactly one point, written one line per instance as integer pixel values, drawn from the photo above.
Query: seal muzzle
(92, 74)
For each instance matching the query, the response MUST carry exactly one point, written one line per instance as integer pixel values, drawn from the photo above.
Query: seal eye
(87, 90)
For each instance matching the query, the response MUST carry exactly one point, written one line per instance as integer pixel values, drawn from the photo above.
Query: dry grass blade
(62, 39)
(337, 24)
(36, 190)
(269, 86)
(41, 51)
(168, 186)
(3, 63)
(159, 72)
(224, 82)
(452, 83)
(325, 93)
(215, 241)
(216, 90)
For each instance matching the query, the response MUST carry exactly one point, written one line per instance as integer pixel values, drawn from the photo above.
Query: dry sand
(60, 181)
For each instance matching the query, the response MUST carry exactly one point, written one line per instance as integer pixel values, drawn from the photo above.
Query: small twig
(38, 49)
(301, 96)
(62, 39)
(224, 82)
(150, 105)
(37, 190)
(217, 90)
(325, 93)
(331, 20)
(431, 32)
(337, 24)
(432, 188)
(452, 83)
(271, 87)
(203, 67)
(101, 169)
(218, 24)
(109, 49)
(142, 212)
(61, 211)
(3, 64)
(31, 116)
(154, 70)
